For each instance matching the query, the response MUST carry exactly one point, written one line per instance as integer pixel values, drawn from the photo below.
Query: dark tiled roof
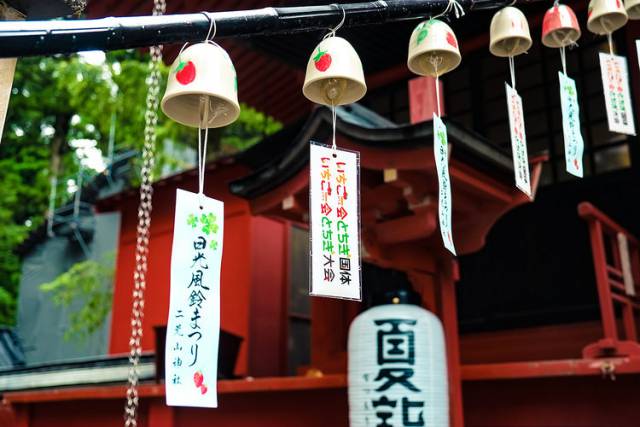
(288, 153)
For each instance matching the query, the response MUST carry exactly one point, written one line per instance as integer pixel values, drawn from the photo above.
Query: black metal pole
(31, 38)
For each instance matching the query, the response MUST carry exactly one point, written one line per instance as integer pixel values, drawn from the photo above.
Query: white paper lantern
(397, 368)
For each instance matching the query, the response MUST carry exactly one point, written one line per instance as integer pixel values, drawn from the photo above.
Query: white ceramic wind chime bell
(606, 16)
(509, 33)
(633, 9)
(202, 82)
(560, 27)
(334, 73)
(433, 49)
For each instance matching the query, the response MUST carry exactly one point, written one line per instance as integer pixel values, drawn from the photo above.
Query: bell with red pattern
(509, 33)
(606, 16)
(334, 73)
(433, 49)
(202, 78)
(560, 27)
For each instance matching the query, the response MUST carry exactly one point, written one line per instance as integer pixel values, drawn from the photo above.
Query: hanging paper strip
(573, 142)
(615, 82)
(518, 141)
(441, 154)
(334, 211)
(193, 329)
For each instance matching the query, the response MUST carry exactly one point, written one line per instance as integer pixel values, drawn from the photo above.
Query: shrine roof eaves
(289, 148)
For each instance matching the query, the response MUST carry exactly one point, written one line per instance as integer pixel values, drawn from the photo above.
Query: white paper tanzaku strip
(573, 142)
(334, 212)
(441, 154)
(617, 96)
(518, 141)
(193, 328)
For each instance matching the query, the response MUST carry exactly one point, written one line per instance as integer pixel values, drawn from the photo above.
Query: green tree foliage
(86, 290)
(61, 99)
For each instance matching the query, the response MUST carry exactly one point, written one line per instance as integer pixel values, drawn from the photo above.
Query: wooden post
(160, 415)
(21, 415)
(329, 330)
(602, 281)
(447, 276)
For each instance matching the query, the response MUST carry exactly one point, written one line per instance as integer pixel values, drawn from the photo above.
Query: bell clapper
(203, 106)
(333, 89)
(217, 109)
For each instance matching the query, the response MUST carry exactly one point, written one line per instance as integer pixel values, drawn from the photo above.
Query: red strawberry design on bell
(185, 72)
(198, 379)
(452, 40)
(203, 389)
(322, 60)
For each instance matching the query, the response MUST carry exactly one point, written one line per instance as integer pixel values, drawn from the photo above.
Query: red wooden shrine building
(553, 373)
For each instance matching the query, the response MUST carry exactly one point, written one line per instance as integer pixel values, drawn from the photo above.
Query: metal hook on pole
(332, 31)
(454, 6)
(212, 26)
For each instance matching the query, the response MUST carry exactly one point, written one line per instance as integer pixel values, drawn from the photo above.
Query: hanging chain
(144, 222)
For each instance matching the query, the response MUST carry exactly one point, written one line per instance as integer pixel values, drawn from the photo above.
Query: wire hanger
(332, 31)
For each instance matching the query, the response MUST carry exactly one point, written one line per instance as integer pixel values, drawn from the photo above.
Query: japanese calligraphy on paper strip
(518, 141)
(334, 211)
(573, 142)
(191, 353)
(617, 97)
(441, 154)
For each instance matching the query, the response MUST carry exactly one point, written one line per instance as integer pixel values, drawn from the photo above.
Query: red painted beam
(590, 213)
(549, 368)
(409, 228)
(249, 385)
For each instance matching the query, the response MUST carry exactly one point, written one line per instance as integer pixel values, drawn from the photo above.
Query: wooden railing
(616, 260)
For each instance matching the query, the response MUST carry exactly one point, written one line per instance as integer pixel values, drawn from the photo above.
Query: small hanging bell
(633, 9)
(433, 49)
(606, 16)
(509, 33)
(334, 74)
(560, 27)
(202, 75)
